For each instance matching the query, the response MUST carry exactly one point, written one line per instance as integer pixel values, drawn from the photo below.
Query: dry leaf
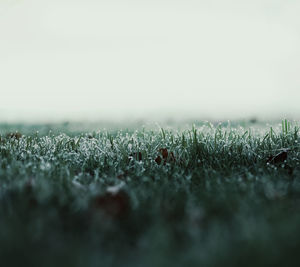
(158, 160)
(164, 152)
(279, 158)
(115, 205)
(15, 135)
(166, 156)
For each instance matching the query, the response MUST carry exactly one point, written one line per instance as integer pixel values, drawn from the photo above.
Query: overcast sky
(118, 58)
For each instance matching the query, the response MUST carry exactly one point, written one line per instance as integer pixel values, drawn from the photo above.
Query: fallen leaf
(166, 156)
(138, 156)
(15, 135)
(115, 205)
(164, 153)
(279, 158)
(158, 160)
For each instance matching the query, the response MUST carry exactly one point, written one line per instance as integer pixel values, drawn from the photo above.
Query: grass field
(198, 195)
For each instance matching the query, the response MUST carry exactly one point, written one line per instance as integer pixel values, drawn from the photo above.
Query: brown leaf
(166, 156)
(279, 158)
(138, 156)
(15, 135)
(164, 153)
(158, 160)
(113, 205)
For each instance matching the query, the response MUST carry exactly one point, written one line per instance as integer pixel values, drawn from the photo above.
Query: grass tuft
(210, 195)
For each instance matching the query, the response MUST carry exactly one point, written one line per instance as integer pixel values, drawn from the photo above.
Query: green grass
(70, 196)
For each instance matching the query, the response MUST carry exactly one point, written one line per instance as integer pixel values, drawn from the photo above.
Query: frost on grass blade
(137, 156)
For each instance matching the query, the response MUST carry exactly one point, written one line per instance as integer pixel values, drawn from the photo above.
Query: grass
(205, 195)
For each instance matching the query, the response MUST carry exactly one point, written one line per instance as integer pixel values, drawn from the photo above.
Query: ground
(203, 194)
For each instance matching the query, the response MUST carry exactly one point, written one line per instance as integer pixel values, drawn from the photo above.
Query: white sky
(93, 59)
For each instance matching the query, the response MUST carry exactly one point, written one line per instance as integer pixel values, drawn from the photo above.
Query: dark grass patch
(209, 196)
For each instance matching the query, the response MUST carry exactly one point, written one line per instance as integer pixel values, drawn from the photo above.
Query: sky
(88, 59)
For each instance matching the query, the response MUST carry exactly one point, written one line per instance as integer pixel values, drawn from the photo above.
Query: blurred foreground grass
(222, 194)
